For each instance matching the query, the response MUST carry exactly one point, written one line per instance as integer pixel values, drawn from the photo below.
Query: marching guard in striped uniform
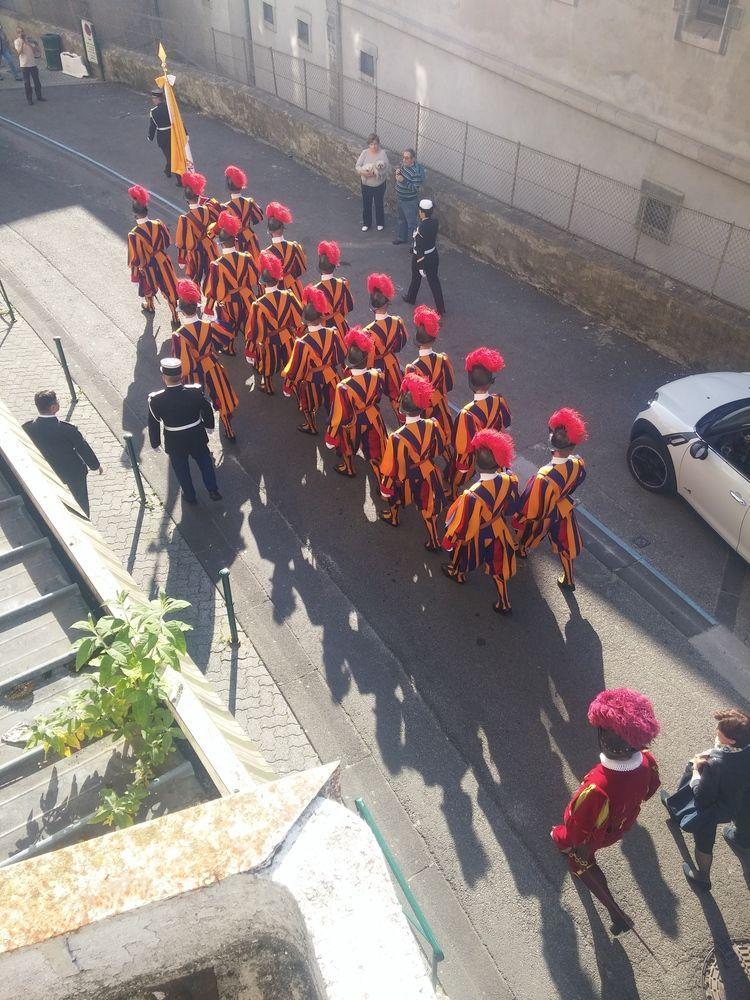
(195, 344)
(389, 336)
(290, 253)
(408, 473)
(247, 210)
(546, 507)
(486, 410)
(195, 249)
(477, 533)
(273, 321)
(436, 368)
(150, 265)
(336, 289)
(356, 423)
(230, 281)
(311, 371)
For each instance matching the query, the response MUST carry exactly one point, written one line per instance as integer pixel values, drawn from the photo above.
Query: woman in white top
(372, 167)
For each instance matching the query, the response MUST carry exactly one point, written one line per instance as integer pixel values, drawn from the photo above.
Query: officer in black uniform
(160, 128)
(425, 260)
(65, 448)
(186, 415)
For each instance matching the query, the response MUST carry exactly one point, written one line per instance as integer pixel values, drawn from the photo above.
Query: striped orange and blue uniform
(489, 411)
(293, 263)
(546, 508)
(249, 212)
(356, 423)
(194, 241)
(150, 265)
(272, 323)
(311, 370)
(196, 344)
(229, 286)
(389, 336)
(438, 369)
(340, 300)
(408, 471)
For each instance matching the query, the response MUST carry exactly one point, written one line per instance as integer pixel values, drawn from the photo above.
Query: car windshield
(728, 417)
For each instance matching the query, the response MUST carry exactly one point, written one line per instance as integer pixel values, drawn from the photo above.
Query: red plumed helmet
(627, 713)
(485, 357)
(229, 222)
(381, 283)
(188, 291)
(330, 250)
(572, 422)
(275, 210)
(317, 298)
(500, 444)
(420, 389)
(236, 177)
(356, 337)
(428, 320)
(139, 194)
(270, 263)
(195, 183)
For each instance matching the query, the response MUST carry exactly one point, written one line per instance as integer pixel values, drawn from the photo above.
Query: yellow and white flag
(182, 158)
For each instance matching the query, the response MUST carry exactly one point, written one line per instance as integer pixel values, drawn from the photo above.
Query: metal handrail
(421, 924)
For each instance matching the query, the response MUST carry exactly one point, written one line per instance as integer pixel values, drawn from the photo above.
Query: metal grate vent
(726, 970)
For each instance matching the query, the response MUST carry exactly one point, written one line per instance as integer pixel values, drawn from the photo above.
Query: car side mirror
(699, 450)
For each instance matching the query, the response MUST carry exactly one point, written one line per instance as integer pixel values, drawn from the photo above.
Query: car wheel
(650, 464)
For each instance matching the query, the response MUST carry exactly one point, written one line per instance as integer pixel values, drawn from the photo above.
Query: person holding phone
(28, 53)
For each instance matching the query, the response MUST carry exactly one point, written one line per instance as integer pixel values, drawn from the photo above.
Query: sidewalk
(150, 545)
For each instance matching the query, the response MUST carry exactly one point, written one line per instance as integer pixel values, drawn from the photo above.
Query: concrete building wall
(283, 35)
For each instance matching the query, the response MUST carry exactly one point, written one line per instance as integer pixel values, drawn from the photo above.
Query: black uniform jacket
(425, 243)
(725, 780)
(185, 413)
(159, 125)
(64, 447)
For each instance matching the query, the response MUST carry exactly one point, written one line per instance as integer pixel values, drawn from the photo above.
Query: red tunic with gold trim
(604, 808)
(476, 530)
(389, 336)
(340, 300)
(546, 507)
(249, 212)
(196, 344)
(438, 369)
(408, 471)
(356, 423)
(272, 323)
(293, 263)
(491, 412)
(149, 263)
(229, 286)
(311, 371)
(194, 240)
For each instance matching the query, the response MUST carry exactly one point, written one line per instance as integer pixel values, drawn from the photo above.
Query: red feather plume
(420, 389)
(236, 177)
(229, 222)
(381, 283)
(500, 444)
(356, 337)
(270, 262)
(188, 291)
(275, 210)
(485, 357)
(330, 250)
(428, 319)
(572, 422)
(317, 298)
(195, 183)
(139, 194)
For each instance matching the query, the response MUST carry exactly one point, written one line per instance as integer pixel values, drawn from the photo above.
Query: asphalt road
(476, 722)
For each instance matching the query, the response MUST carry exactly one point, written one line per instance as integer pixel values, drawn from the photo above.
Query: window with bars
(269, 15)
(303, 32)
(367, 65)
(658, 210)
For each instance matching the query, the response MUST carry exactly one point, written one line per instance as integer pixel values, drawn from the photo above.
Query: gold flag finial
(162, 57)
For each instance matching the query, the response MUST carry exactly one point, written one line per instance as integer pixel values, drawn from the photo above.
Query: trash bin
(52, 49)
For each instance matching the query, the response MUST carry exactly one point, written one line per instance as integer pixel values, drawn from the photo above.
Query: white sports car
(693, 438)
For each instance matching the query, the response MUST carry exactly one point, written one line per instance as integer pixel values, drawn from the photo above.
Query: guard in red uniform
(436, 368)
(408, 473)
(486, 410)
(247, 210)
(231, 280)
(477, 532)
(311, 371)
(336, 289)
(150, 266)
(273, 321)
(546, 505)
(193, 238)
(356, 423)
(196, 344)
(388, 334)
(609, 798)
(291, 254)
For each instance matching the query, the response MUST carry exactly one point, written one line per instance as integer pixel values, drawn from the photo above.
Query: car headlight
(653, 398)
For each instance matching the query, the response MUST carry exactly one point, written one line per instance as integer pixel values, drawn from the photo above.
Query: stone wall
(676, 320)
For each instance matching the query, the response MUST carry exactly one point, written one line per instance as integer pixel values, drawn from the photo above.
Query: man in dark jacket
(714, 789)
(425, 260)
(65, 448)
(160, 128)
